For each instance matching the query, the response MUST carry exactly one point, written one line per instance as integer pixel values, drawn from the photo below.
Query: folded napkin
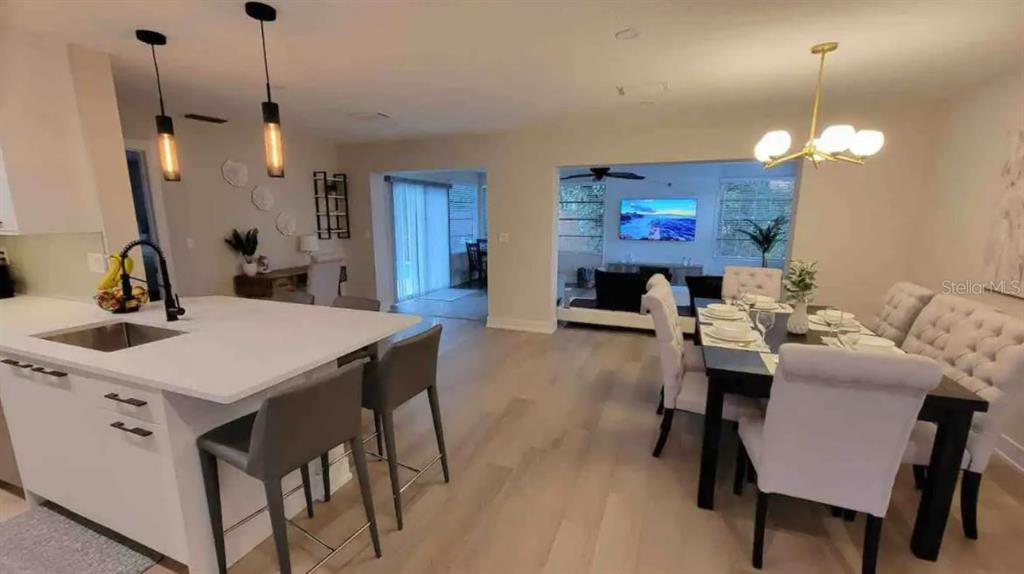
(834, 343)
(815, 326)
(704, 317)
(711, 341)
(771, 361)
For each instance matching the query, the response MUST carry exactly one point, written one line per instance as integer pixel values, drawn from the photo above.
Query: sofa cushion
(902, 304)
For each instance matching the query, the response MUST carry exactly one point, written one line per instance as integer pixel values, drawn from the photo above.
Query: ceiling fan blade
(624, 175)
(578, 176)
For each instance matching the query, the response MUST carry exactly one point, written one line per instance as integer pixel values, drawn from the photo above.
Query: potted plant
(800, 283)
(765, 238)
(245, 245)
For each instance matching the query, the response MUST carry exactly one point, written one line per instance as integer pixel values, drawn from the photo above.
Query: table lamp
(309, 244)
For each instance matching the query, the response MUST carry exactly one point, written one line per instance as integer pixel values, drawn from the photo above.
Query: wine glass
(833, 319)
(765, 321)
(740, 300)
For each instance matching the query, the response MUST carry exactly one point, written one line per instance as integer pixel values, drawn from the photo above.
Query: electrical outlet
(97, 262)
(190, 243)
(503, 238)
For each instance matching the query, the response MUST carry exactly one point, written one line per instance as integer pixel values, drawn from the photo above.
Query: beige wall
(54, 264)
(203, 208)
(852, 219)
(973, 145)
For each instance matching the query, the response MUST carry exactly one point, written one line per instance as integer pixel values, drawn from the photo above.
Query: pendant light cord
(159, 88)
(266, 67)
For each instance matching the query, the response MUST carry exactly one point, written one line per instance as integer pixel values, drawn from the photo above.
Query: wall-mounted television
(658, 219)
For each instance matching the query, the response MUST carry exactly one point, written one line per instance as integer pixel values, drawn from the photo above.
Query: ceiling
(448, 67)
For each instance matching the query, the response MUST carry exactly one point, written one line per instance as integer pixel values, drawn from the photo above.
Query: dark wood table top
(719, 360)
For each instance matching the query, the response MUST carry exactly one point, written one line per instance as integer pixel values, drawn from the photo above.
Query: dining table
(745, 372)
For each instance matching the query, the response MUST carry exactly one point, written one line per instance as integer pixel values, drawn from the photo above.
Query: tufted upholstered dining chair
(758, 280)
(658, 286)
(834, 432)
(900, 306)
(683, 388)
(983, 350)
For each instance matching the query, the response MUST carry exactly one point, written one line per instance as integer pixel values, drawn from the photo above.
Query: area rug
(447, 294)
(50, 540)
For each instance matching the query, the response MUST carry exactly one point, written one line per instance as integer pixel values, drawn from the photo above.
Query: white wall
(695, 180)
(852, 219)
(203, 208)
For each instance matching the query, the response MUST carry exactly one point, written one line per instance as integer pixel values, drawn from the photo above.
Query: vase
(249, 268)
(797, 323)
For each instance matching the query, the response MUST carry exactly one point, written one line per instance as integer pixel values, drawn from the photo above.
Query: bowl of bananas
(109, 291)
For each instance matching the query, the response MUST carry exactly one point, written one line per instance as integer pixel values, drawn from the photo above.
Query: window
(759, 199)
(463, 212)
(581, 218)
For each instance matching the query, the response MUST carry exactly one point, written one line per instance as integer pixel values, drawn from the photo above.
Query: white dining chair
(765, 281)
(834, 432)
(901, 305)
(324, 280)
(684, 389)
(984, 352)
(663, 291)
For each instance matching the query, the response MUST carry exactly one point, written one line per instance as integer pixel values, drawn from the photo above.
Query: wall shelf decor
(330, 205)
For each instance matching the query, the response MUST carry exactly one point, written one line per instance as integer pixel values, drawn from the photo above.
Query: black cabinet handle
(50, 373)
(129, 401)
(137, 431)
(10, 362)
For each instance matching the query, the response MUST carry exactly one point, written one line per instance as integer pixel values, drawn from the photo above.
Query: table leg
(943, 471)
(709, 448)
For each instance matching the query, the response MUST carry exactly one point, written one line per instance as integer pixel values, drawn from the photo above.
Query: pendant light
(166, 145)
(834, 141)
(272, 143)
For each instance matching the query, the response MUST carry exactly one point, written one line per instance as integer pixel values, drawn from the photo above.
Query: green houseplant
(800, 283)
(245, 245)
(765, 238)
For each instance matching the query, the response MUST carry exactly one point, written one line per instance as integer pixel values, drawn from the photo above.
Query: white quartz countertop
(232, 347)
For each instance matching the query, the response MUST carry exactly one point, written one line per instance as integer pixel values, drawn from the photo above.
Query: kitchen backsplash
(54, 265)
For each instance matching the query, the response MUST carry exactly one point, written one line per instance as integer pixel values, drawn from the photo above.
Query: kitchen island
(110, 434)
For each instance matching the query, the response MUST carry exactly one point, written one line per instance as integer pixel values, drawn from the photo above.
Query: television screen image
(658, 219)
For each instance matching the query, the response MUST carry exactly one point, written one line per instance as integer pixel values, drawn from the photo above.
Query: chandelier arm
(848, 159)
(783, 159)
(817, 99)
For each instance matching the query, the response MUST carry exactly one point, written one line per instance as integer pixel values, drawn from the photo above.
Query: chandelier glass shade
(840, 142)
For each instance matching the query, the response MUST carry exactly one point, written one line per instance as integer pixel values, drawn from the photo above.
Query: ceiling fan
(599, 173)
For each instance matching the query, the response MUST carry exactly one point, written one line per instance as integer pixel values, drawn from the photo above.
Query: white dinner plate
(847, 324)
(873, 344)
(720, 311)
(744, 337)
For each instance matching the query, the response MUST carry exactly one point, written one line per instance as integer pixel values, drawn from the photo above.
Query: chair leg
(661, 401)
(211, 481)
(872, 534)
(760, 519)
(387, 419)
(740, 478)
(970, 484)
(920, 476)
(325, 466)
(380, 433)
(307, 489)
(278, 523)
(435, 413)
(359, 457)
(849, 515)
(666, 426)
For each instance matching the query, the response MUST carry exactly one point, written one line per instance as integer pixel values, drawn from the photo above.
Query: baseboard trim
(528, 325)
(1012, 451)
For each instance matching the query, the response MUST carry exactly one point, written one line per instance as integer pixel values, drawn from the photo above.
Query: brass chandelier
(837, 142)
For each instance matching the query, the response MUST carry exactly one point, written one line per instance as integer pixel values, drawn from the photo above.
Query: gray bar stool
(371, 352)
(290, 429)
(360, 303)
(408, 368)
(301, 297)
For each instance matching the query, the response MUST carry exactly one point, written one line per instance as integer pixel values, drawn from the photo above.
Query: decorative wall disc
(235, 173)
(286, 223)
(262, 198)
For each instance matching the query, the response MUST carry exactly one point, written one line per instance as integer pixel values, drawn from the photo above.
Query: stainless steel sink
(111, 337)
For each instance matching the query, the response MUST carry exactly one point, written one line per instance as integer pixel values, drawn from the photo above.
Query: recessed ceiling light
(627, 34)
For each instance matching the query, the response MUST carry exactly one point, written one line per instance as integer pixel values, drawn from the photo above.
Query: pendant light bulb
(273, 143)
(166, 146)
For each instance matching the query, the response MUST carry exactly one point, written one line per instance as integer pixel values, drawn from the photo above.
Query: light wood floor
(550, 440)
(472, 306)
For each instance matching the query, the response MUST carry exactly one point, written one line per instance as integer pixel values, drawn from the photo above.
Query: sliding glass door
(422, 261)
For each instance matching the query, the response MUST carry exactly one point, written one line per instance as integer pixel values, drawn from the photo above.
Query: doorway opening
(145, 218)
(439, 223)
